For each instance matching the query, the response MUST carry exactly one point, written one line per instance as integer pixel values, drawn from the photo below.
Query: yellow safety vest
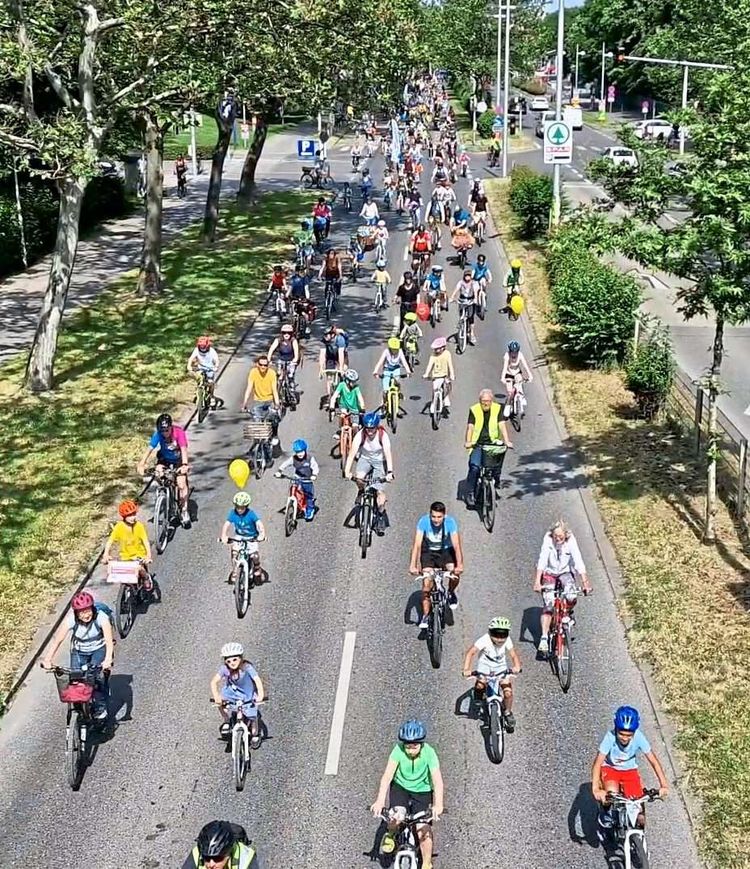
(240, 858)
(478, 420)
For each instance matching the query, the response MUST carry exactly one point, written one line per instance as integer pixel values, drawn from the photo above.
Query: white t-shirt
(372, 447)
(492, 658)
(89, 637)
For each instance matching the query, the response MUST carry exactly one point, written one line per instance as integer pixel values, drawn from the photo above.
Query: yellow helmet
(394, 344)
(515, 264)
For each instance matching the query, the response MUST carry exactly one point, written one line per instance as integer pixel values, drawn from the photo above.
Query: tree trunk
(40, 365)
(247, 181)
(712, 443)
(211, 215)
(150, 277)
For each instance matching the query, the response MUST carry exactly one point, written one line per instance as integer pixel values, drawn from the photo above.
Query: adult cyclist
(204, 362)
(333, 356)
(371, 448)
(287, 345)
(221, 845)
(434, 285)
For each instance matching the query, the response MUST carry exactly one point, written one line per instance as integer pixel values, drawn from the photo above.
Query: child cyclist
(129, 535)
(615, 767)
(440, 370)
(237, 680)
(493, 649)
(348, 396)
(247, 526)
(381, 278)
(305, 471)
(411, 333)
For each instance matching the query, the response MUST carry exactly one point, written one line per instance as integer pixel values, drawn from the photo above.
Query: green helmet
(241, 499)
(500, 623)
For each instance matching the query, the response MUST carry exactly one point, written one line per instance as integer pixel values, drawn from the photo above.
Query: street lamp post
(499, 54)
(579, 54)
(506, 91)
(556, 180)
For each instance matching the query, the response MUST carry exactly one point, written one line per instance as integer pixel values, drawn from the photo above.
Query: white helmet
(232, 650)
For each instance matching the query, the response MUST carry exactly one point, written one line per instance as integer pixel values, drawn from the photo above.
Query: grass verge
(685, 604)
(120, 362)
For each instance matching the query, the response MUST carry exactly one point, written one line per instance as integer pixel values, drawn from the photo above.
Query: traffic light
(620, 55)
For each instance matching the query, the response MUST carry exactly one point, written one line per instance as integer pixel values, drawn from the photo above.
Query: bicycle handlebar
(649, 795)
(424, 817)
(257, 539)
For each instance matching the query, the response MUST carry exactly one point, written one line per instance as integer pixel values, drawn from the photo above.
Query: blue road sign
(306, 149)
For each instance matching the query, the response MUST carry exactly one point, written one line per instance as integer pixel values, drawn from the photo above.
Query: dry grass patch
(685, 603)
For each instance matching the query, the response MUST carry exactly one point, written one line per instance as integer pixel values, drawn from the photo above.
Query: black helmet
(215, 840)
(421, 227)
(408, 275)
(164, 422)
(482, 259)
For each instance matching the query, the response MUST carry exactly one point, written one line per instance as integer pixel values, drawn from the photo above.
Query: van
(573, 116)
(585, 98)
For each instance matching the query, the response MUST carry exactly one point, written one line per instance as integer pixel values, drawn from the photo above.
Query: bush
(593, 303)
(485, 122)
(649, 369)
(531, 200)
(173, 150)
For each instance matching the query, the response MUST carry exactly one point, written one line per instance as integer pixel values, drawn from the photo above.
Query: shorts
(437, 559)
(390, 374)
(249, 709)
(488, 668)
(164, 462)
(626, 781)
(549, 582)
(209, 373)
(365, 464)
(413, 802)
(252, 546)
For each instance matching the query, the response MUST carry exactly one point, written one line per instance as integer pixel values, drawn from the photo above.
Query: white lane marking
(747, 411)
(406, 253)
(339, 706)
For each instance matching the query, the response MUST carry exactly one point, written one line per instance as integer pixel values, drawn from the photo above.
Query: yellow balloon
(516, 305)
(239, 471)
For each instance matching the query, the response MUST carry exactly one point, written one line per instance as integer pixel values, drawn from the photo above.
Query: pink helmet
(439, 343)
(82, 601)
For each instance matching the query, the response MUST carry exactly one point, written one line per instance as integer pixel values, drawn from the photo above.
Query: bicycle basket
(258, 431)
(72, 690)
(492, 457)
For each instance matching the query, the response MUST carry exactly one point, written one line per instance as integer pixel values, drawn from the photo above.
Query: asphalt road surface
(165, 773)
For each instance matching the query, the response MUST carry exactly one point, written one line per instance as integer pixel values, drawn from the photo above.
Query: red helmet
(82, 601)
(203, 343)
(127, 508)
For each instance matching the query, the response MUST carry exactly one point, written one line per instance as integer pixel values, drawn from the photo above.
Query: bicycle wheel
(329, 304)
(290, 517)
(482, 307)
(564, 656)
(365, 527)
(639, 851)
(461, 336)
(242, 589)
(488, 504)
(437, 409)
(259, 459)
(74, 752)
(435, 637)
(307, 180)
(515, 416)
(240, 760)
(203, 403)
(393, 410)
(497, 733)
(406, 862)
(344, 446)
(125, 609)
(161, 520)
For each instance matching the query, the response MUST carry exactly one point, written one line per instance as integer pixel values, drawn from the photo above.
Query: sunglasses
(262, 365)
(499, 635)
(234, 658)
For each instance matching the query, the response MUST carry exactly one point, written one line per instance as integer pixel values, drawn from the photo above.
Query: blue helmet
(514, 347)
(627, 718)
(371, 419)
(412, 731)
(299, 446)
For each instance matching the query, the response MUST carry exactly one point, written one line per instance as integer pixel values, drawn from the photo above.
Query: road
(165, 773)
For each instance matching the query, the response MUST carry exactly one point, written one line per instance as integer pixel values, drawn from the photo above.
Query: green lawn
(120, 362)
(205, 135)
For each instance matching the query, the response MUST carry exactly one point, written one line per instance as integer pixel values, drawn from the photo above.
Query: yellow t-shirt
(263, 384)
(131, 540)
(440, 364)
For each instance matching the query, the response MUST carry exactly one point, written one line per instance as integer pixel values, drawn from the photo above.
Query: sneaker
(387, 843)
(543, 646)
(224, 730)
(100, 714)
(274, 442)
(185, 519)
(453, 600)
(471, 501)
(309, 513)
(424, 623)
(510, 722)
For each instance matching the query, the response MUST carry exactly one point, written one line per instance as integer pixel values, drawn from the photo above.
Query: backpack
(100, 607)
(240, 834)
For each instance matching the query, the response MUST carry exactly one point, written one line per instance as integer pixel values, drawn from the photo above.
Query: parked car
(657, 129)
(621, 156)
(574, 116)
(540, 104)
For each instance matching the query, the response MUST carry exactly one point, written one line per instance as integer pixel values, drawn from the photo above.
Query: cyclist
(463, 162)
(371, 447)
(305, 470)
(381, 278)
(247, 526)
(478, 203)
(348, 396)
(204, 361)
(460, 219)
(493, 649)
(129, 535)
(278, 282)
(440, 370)
(559, 563)
(321, 219)
(514, 280)
(356, 152)
(412, 781)
(437, 546)
(411, 333)
(237, 680)
(477, 190)
(366, 185)
(407, 296)
(615, 767)
(391, 364)
(170, 445)
(494, 151)
(299, 295)
(330, 270)
(515, 371)
(221, 845)
(369, 212)
(381, 240)
(414, 204)
(439, 172)
(333, 355)
(434, 285)
(485, 426)
(88, 625)
(180, 170)
(467, 294)
(481, 273)
(289, 353)
(420, 245)
(303, 241)
(263, 387)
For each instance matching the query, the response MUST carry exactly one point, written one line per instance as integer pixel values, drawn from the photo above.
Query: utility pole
(556, 181)
(193, 147)
(506, 91)
(575, 78)
(499, 54)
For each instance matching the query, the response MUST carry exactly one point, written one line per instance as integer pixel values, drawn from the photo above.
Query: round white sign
(481, 107)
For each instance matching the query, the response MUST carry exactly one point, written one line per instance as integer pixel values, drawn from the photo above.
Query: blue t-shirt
(434, 281)
(299, 284)
(238, 684)
(480, 271)
(169, 448)
(245, 525)
(437, 537)
(619, 757)
(460, 215)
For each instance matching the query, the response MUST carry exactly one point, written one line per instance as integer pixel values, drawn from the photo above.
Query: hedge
(531, 200)
(650, 368)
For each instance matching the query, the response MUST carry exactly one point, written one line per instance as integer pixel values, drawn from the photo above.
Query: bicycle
(242, 577)
(435, 234)
(388, 199)
(181, 186)
(137, 588)
(259, 433)
(76, 689)
(391, 401)
(296, 503)
(166, 507)
(560, 636)
(438, 613)
(333, 378)
(435, 311)
(287, 388)
(484, 491)
(330, 297)
(240, 740)
(411, 351)
(437, 405)
(407, 854)
(366, 506)
(462, 333)
(345, 438)
(346, 196)
(202, 400)
(515, 401)
(381, 297)
(630, 839)
(493, 710)
(481, 309)
(480, 229)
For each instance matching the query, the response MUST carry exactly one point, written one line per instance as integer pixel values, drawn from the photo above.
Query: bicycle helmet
(127, 508)
(299, 446)
(351, 375)
(515, 264)
(381, 223)
(82, 601)
(412, 731)
(232, 650)
(215, 840)
(394, 344)
(439, 343)
(380, 263)
(163, 422)
(410, 317)
(241, 499)
(481, 259)
(203, 343)
(514, 347)
(499, 623)
(468, 273)
(371, 420)
(287, 328)
(437, 270)
(627, 718)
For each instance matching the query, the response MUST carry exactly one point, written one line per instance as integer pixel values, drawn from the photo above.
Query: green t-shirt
(414, 774)
(348, 399)
(304, 238)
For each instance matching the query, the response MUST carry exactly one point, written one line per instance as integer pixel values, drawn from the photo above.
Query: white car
(621, 156)
(540, 104)
(657, 129)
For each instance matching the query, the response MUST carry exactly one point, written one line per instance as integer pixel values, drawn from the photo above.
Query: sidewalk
(115, 248)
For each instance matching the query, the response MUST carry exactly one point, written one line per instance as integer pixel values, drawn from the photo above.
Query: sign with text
(558, 142)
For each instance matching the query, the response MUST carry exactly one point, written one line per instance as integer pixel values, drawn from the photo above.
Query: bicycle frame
(407, 837)
(626, 812)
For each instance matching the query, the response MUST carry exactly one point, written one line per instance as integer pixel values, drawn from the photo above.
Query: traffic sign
(245, 131)
(644, 107)
(558, 142)
(306, 149)
(497, 124)
(611, 94)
